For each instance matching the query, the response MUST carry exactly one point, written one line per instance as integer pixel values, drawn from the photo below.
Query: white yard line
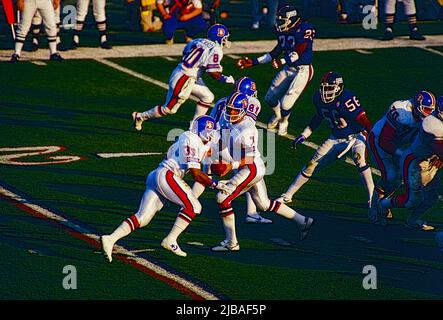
(363, 51)
(165, 86)
(238, 48)
(432, 50)
(81, 232)
(128, 154)
(39, 63)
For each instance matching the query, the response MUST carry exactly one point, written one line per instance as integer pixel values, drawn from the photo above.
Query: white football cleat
(137, 120)
(306, 227)
(284, 199)
(226, 245)
(173, 247)
(283, 128)
(107, 246)
(273, 122)
(256, 218)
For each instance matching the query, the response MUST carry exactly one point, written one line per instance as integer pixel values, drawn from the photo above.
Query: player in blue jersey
(294, 52)
(349, 124)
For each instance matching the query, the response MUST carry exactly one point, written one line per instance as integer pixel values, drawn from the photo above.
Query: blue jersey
(342, 114)
(300, 40)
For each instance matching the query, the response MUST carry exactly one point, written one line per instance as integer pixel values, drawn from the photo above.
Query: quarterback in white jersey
(389, 137)
(242, 145)
(419, 165)
(166, 183)
(199, 56)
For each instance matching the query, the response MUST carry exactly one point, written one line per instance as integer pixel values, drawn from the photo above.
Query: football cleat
(15, 58)
(256, 218)
(283, 128)
(107, 246)
(56, 57)
(34, 45)
(419, 225)
(388, 36)
(74, 45)
(137, 120)
(226, 245)
(416, 35)
(105, 45)
(284, 199)
(306, 227)
(173, 247)
(273, 122)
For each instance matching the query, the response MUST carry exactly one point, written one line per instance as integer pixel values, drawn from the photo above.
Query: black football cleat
(389, 35)
(15, 58)
(416, 35)
(56, 57)
(74, 45)
(105, 45)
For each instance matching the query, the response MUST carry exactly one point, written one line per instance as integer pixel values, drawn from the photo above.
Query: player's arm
(55, 4)
(364, 121)
(247, 62)
(219, 76)
(310, 128)
(203, 178)
(198, 9)
(20, 5)
(162, 10)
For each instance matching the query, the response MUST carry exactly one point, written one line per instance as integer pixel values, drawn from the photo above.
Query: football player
(295, 40)
(388, 138)
(242, 145)
(349, 123)
(199, 56)
(419, 165)
(247, 86)
(166, 182)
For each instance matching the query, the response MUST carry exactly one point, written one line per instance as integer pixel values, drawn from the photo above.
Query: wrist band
(235, 165)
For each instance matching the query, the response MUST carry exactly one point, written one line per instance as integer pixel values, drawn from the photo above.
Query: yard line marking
(165, 86)
(128, 154)
(185, 286)
(233, 56)
(39, 63)
(432, 50)
(363, 51)
(169, 58)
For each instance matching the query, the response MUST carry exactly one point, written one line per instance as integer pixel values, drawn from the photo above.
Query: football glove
(245, 62)
(299, 140)
(225, 187)
(436, 162)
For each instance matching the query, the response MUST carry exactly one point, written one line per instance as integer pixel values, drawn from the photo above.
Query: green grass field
(85, 106)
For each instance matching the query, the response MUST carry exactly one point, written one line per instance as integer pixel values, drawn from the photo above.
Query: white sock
(298, 182)
(198, 189)
(76, 39)
(103, 38)
(180, 225)
(200, 110)
(52, 47)
(291, 214)
(122, 231)
(18, 47)
(366, 177)
(229, 225)
(250, 205)
(152, 113)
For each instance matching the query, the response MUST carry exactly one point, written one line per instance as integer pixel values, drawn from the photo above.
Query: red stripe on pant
(188, 207)
(252, 174)
(400, 200)
(178, 88)
(380, 164)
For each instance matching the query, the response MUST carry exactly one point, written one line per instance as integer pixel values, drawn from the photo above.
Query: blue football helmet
(287, 18)
(247, 86)
(331, 86)
(236, 107)
(440, 108)
(220, 34)
(204, 127)
(423, 104)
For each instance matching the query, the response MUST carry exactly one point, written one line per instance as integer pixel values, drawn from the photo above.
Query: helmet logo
(209, 125)
(220, 32)
(253, 86)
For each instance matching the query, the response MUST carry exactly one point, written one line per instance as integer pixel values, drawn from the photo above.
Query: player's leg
(323, 155)
(359, 157)
(260, 196)
(252, 216)
(180, 88)
(23, 29)
(205, 97)
(48, 16)
(82, 11)
(177, 191)
(150, 204)
(389, 19)
(36, 27)
(100, 20)
(279, 86)
(299, 82)
(58, 24)
(242, 181)
(411, 13)
(193, 27)
(169, 28)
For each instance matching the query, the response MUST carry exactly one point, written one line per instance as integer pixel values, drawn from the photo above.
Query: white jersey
(186, 153)
(243, 140)
(200, 56)
(398, 127)
(429, 140)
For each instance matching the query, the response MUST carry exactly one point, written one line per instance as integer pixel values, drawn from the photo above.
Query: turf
(86, 106)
